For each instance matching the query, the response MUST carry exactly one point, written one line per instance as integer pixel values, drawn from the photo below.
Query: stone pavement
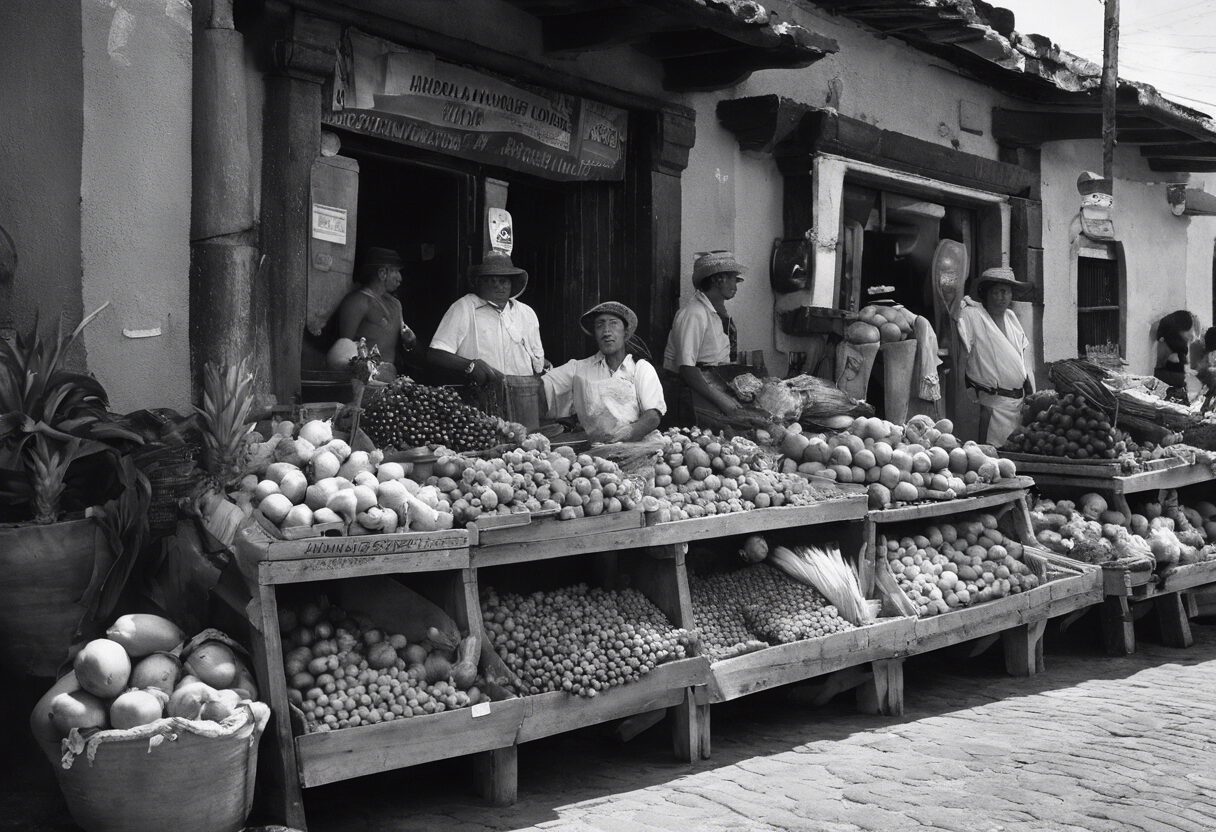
(1093, 744)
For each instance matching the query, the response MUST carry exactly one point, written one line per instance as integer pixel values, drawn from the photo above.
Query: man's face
(609, 333)
(392, 278)
(496, 288)
(728, 283)
(1000, 295)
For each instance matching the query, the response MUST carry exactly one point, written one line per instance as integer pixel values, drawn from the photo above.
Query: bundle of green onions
(826, 571)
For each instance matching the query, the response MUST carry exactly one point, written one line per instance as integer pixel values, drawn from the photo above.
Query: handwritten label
(381, 545)
(480, 709)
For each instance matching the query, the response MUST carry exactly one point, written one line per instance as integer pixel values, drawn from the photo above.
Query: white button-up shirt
(696, 336)
(564, 385)
(507, 339)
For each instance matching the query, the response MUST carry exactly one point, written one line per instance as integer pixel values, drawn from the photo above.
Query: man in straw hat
(489, 333)
(704, 335)
(372, 311)
(999, 361)
(617, 398)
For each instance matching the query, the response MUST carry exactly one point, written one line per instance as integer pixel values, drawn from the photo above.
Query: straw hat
(709, 263)
(999, 274)
(494, 264)
(610, 307)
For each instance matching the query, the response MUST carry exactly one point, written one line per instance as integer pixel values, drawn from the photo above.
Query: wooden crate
(328, 541)
(948, 508)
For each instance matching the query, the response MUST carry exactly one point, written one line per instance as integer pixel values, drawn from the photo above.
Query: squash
(464, 672)
(438, 669)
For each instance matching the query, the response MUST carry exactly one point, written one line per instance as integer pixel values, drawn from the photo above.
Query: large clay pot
(46, 570)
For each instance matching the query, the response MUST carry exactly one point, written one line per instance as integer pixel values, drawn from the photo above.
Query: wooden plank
(1024, 648)
(885, 693)
(1173, 619)
(664, 580)
(329, 568)
(364, 545)
(496, 522)
(784, 664)
(368, 749)
(1122, 581)
(685, 728)
(759, 520)
(1176, 477)
(497, 775)
(1188, 577)
(946, 507)
(547, 714)
(551, 529)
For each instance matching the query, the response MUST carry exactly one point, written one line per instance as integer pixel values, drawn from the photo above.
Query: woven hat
(999, 274)
(495, 263)
(611, 307)
(379, 256)
(709, 263)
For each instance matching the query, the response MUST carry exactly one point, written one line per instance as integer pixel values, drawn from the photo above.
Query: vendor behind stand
(704, 335)
(372, 311)
(489, 333)
(617, 398)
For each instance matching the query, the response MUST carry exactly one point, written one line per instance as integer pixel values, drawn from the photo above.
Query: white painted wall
(135, 198)
(1161, 274)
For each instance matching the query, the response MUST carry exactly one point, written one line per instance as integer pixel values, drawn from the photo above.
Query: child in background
(1206, 370)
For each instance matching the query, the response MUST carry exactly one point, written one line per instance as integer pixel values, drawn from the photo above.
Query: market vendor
(1175, 332)
(704, 335)
(617, 397)
(372, 310)
(489, 333)
(998, 362)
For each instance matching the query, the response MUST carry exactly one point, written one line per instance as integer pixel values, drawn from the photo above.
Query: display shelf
(552, 538)
(951, 508)
(1177, 476)
(330, 542)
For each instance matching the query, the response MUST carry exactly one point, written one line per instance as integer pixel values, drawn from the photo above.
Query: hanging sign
(384, 90)
(502, 237)
(329, 223)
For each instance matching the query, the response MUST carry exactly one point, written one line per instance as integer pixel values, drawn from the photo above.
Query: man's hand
(483, 373)
(408, 339)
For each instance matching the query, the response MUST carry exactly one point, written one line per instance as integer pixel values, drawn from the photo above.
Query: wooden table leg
(885, 693)
(1173, 619)
(685, 728)
(1024, 648)
(1191, 600)
(704, 748)
(497, 775)
(1118, 632)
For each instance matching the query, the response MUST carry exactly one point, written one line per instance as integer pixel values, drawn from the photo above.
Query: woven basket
(172, 474)
(174, 775)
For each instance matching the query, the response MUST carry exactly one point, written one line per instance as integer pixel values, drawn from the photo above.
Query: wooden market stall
(1130, 590)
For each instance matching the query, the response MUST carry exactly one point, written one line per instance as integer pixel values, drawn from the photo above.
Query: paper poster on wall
(329, 223)
(502, 235)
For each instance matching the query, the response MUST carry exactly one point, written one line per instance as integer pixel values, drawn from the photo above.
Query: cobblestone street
(1092, 744)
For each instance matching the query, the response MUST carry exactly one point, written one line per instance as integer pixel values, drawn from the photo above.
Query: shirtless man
(372, 311)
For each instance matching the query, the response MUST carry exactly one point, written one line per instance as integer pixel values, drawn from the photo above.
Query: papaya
(40, 718)
(103, 668)
(214, 663)
(159, 670)
(77, 709)
(136, 707)
(141, 634)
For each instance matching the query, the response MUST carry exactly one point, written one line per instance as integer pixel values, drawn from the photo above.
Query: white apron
(606, 408)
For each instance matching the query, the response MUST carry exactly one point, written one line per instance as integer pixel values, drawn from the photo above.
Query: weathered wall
(40, 132)
(734, 199)
(135, 198)
(1155, 243)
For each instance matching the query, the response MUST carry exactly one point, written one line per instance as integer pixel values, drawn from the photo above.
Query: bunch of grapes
(580, 640)
(410, 415)
(758, 603)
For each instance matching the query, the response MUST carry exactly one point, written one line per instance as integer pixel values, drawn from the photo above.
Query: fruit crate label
(371, 545)
(480, 709)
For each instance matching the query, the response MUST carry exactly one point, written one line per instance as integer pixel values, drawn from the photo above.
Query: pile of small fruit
(583, 641)
(1070, 427)
(950, 566)
(535, 479)
(141, 672)
(921, 460)
(703, 473)
(742, 609)
(411, 415)
(342, 671)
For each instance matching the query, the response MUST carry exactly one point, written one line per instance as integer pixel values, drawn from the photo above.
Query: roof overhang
(1062, 89)
(701, 44)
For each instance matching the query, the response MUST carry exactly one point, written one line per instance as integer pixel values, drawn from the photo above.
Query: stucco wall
(135, 198)
(1155, 243)
(734, 199)
(40, 131)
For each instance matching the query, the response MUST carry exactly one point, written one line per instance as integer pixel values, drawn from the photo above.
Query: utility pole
(1110, 87)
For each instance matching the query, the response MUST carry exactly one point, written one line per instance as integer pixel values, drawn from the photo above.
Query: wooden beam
(1182, 150)
(600, 29)
(689, 43)
(1179, 166)
(1020, 128)
(1158, 135)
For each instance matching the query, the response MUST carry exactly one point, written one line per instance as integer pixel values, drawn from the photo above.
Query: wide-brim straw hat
(709, 263)
(1000, 274)
(494, 264)
(611, 307)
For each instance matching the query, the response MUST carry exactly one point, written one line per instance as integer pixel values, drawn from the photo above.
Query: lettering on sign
(322, 547)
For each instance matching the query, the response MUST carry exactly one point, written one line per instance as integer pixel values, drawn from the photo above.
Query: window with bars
(1099, 304)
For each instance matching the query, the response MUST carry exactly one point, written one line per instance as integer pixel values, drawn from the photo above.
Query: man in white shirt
(616, 398)
(703, 334)
(489, 333)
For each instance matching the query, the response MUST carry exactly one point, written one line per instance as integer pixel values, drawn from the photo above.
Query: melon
(40, 718)
(902, 460)
(103, 668)
(142, 634)
(882, 453)
(889, 333)
(860, 332)
(958, 461)
(939, 459)
(865, 458)
(880, 496)
(904, 493)
(889, 476)
(135, 708)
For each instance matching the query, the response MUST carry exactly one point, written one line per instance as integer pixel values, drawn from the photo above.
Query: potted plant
(61, 458)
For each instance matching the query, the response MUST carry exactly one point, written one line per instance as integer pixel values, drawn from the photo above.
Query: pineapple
(227, 402)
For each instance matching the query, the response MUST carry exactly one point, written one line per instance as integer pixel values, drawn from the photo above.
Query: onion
(317, 432)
